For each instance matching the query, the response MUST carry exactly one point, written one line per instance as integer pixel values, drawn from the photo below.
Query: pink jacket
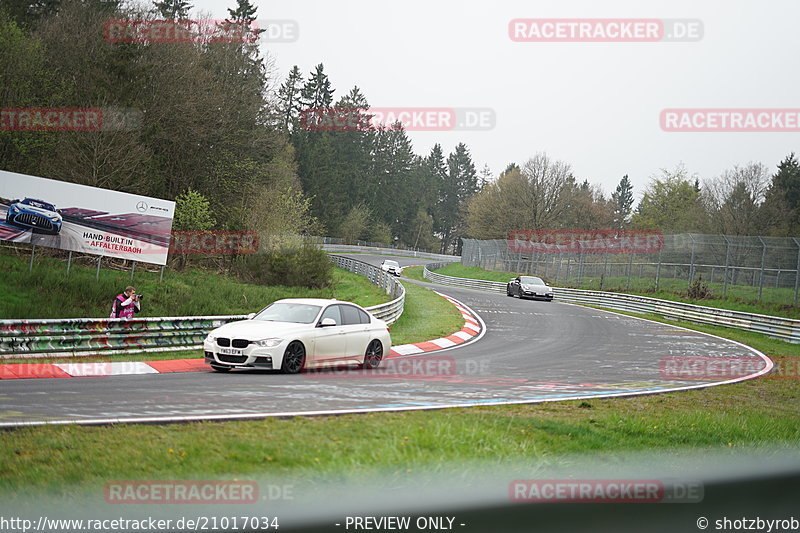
(124, 307)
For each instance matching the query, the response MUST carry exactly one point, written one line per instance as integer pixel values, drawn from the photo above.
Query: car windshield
(289, 312)
(391, 263)
(39, 204)
(531, 280)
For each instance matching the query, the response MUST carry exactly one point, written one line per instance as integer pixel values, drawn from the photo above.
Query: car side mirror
(327, 322)
(251, 316)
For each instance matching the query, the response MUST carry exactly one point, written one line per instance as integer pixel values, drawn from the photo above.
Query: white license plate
(230, 351)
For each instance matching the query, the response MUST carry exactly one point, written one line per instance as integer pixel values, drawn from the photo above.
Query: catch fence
(751, 268)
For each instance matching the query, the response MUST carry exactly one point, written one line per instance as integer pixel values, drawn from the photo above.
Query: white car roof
(311, 301)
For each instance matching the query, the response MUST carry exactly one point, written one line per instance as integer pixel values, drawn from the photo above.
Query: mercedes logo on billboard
(141, 207)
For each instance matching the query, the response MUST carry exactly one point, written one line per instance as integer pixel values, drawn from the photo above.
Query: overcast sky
(593, 105)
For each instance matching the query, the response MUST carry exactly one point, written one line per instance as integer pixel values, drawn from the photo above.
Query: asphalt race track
(531, 352)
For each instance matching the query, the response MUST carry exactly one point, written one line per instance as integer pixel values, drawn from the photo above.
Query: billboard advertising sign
(69, 216)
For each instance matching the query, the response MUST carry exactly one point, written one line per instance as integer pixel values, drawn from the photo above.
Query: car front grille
(34, 220)
(236, 343)
(237, 359)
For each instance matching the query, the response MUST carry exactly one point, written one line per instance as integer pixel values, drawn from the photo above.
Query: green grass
(738, 298)
(426, 316)
(48, 292)
(414, 273)
(457, 270)
(758, 413)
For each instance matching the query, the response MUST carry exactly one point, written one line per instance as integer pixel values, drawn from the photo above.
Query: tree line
(544, 194)
(218, 131)
(223, 133)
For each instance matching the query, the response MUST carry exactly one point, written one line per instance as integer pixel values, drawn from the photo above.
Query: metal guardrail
(345, 248)
(83, 336)
(41, 338)
(390, 311)
(782, 328)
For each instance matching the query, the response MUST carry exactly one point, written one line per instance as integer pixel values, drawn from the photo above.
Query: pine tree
(622, 200)
(245, 12)
(173, 9)
(486, 176)
(317, 92)
(289, 100)
(780, 212)
(243, 16)
(461, 182)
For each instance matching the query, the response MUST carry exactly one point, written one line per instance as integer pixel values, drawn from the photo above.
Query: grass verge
(426, 316)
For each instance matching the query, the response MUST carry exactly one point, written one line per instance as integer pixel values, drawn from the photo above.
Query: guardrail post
(569, 268)
(797, 271)
(761, 273)
(630, 264)
(558, 270)
(658, 266)
(727, 262)
(605, 266)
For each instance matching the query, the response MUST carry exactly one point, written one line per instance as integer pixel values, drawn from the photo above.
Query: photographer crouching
(126, 304)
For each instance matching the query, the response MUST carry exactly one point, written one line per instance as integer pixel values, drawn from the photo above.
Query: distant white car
(392, 267)
(298, 333)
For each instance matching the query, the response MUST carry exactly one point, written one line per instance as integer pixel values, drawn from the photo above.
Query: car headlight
(53, 217)
(14, 209)
(268, 343)
(211, 338)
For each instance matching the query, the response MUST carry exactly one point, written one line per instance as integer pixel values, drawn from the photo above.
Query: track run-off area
(527, 352)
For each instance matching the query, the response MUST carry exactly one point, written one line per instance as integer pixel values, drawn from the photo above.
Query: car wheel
(294, 358)
(374, 355)
(218, 368)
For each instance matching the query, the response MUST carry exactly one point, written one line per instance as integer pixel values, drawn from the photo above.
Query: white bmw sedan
(298, 333)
